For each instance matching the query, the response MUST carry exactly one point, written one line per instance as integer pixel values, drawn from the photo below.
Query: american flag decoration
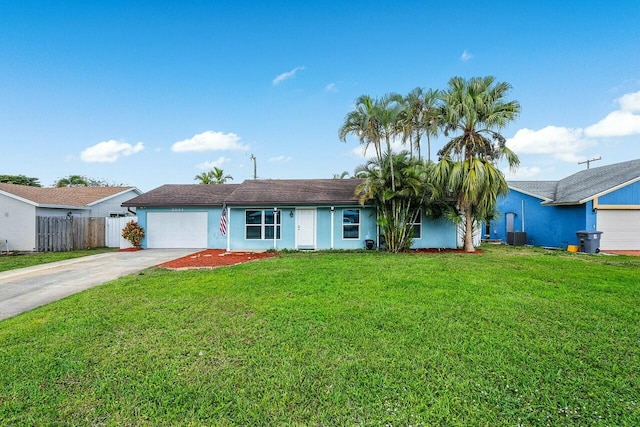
(223, 220)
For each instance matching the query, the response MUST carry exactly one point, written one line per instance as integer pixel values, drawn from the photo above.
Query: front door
(306, 228)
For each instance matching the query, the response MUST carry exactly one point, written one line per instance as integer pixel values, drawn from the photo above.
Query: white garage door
(620, 229)
(177, 230)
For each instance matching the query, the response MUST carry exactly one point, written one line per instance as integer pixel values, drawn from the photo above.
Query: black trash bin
(589, 241)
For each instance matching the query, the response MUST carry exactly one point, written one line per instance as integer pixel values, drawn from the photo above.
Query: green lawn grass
(512, 336)
(21, 260)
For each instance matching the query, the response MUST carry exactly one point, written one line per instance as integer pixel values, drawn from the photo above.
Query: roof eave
(115, 195)
(22, 199)
(528, 193)
(552, 203)
(52, 206)
(167, 205)
(295, 203)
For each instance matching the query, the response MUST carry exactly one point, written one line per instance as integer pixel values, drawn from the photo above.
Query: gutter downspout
(228, 229)
(275, 228)
(333, 210)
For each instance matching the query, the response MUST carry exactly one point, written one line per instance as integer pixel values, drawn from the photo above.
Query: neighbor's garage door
(620, 229)
(177, 230)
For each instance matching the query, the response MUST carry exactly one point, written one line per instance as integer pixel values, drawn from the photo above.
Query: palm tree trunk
(428, 148)
(390, 154)
(468, 228)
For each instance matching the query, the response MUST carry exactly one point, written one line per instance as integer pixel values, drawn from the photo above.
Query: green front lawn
(21, 260)
(513, 336)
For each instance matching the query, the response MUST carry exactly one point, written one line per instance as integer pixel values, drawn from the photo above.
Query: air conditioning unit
(519, 238)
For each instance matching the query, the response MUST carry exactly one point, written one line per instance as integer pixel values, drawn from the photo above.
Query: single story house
(270, 214)
(605, 199)
(21, 204)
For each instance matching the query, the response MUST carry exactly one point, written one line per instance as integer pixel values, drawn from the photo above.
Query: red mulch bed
(129, 249)
(212, 258)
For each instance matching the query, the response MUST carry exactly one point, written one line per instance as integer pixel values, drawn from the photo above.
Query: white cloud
(109, 151)
(630, 102)
(210, 141)
(331, 87)
(561, 142)
(280, 159)
(522, 173)
(622, 122)
(214, 164)
(466, 56)
(286, 76)
(359, 151)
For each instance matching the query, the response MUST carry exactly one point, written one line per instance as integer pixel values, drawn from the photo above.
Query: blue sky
(149, 93)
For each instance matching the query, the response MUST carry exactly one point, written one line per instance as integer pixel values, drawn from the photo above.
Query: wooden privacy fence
(60, 234)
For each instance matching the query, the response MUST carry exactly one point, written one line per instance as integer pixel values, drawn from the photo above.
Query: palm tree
(204, 178)
(219, 177)
(420, 118)
(342, 175)
(375, 121)
(389, 109)
(397, 210)
(73, 181)
(363, 123)
(214, 176)
(474, 110)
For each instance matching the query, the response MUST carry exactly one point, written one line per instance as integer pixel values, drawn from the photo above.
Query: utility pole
(255, 175)
(595, 159)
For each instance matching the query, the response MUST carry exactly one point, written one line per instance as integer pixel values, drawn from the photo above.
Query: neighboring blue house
(605, 199)
(270, 214)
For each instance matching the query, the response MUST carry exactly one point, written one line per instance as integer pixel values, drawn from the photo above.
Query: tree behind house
(214, 176)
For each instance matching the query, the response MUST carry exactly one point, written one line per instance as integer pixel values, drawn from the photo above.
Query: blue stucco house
(270, 214)
(605, 199)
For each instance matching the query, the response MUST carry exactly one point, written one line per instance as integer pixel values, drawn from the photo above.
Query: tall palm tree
(389, 109)
(474, 111)
(363, 123)
(420, 118)
(431, 118)
(374, 122)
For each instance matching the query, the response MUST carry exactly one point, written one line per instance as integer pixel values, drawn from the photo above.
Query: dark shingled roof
(253, 193)
(581, 186)
(545, 190)
(589, 183)
(295, 192)
(63, 196)
(184, 195)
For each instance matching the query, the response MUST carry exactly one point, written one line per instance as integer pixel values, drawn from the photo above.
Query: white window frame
(419, 224)
(263, 225)
(358, 224)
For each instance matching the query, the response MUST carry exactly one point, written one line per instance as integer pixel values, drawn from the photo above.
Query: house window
(351, 224)
(260, 224)
(417, 226)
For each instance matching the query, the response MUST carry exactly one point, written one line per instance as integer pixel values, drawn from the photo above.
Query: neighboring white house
(21, 204)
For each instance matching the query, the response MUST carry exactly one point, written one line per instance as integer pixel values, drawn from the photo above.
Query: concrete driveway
(26, 288)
